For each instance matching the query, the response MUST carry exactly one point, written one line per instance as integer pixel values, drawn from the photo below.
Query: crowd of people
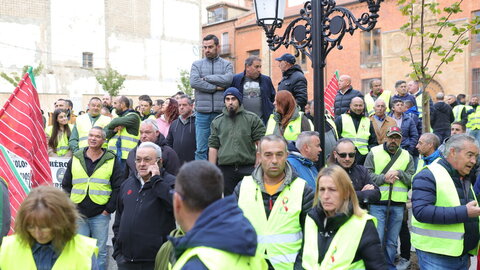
(231, 178)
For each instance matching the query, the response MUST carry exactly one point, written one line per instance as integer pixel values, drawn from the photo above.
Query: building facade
(365, 55)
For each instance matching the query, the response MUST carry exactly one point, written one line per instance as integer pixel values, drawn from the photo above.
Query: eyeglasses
(344, 155)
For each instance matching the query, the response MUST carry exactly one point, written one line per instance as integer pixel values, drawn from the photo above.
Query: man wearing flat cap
(391, 169)
(233, 139)
(293, 79)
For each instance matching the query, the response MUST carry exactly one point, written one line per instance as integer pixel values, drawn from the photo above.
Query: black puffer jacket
(295, 82)
(342, 102)
(369, 249)
(442, 116)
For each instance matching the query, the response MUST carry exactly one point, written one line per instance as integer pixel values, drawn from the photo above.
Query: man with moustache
(234, 135)
(391, 168)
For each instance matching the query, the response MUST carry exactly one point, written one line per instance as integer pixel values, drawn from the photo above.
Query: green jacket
(131, 122)
(235, 137)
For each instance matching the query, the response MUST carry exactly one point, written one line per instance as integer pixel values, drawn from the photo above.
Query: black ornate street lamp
(320, 22)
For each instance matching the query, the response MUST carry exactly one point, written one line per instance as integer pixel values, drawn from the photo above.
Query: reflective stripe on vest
(279, 236)
(380, 159)
(342, 249)
(444, 239)
(84, 124)
(293, 129)
(359, 137)
(98, 184)
(77, 252)
(215, 259)
(370, 103)
(129, 141)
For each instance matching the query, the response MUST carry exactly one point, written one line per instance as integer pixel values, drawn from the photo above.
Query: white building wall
(152, 60)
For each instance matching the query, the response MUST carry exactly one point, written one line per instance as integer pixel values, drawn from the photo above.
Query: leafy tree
(111, 80)
(184, 83)
(14, 78)
(426, 52)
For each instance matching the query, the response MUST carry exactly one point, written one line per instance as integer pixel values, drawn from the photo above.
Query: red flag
(17, 187)
(330, 93)
(21, 130)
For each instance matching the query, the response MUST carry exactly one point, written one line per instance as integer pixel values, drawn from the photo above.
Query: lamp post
(320, 27)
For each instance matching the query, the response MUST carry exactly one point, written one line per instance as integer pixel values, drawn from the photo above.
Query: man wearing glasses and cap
(391, 168)
(293, 79)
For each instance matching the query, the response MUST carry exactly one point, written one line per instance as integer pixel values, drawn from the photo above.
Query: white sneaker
(403, 264)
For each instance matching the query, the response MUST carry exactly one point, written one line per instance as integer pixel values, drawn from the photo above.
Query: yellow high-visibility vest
(443, 239)
(84, 124)
(76, 255)
(359, 137)
(279, 236)
(370, 103)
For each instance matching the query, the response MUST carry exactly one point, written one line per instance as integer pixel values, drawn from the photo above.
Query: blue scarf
(428, 160)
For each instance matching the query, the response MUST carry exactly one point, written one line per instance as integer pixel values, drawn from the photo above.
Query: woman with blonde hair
(45, 235)
(338, 233)
(287, 120)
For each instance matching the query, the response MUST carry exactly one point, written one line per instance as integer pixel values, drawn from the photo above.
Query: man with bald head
(345, 94)
(355, 126)
(381, 121)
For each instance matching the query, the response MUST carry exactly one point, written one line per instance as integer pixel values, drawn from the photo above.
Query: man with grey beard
(234, 135)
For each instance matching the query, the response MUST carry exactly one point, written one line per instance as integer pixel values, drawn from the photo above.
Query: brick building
(365, 55)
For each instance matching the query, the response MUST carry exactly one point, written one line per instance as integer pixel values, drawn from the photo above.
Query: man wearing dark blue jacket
(304, 155)
(257, 89)
(217, 235)
(445, 211)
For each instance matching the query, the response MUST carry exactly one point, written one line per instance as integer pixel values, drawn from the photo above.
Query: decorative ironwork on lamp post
(320, 22)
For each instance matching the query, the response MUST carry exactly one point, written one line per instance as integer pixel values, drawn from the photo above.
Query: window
(476, 81)
(87, 60)
(225, 44)
(366, 85)
(476, 38)
(254, 53)
(217, 15)
(302, 61)
(371, 50)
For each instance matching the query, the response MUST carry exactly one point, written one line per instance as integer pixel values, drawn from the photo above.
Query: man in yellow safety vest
(217, 235)
(276, 201)
(445, 222)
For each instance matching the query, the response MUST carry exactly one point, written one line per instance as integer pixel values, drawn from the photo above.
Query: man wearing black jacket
(441, 118)
(344, 156)
(144, 215)
(181, 135)
(344, 95)
(293, 79)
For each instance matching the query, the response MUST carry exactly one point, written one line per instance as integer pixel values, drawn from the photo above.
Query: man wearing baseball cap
(293, 79)
(234, 135)
(391, 168)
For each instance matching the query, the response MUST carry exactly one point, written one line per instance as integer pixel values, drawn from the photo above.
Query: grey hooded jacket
(206, 74)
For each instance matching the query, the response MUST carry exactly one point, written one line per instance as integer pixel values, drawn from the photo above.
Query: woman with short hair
(45, 235)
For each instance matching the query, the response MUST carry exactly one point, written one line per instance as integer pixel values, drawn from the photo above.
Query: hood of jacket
(303, 160)
(221, 226)
(292, 70)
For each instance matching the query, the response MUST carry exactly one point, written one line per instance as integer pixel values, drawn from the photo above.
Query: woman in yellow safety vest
(58, 134)
(287, 120)
(45, 235)
(338, 233)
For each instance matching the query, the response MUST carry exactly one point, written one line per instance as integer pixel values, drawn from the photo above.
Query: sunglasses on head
(344, 155)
